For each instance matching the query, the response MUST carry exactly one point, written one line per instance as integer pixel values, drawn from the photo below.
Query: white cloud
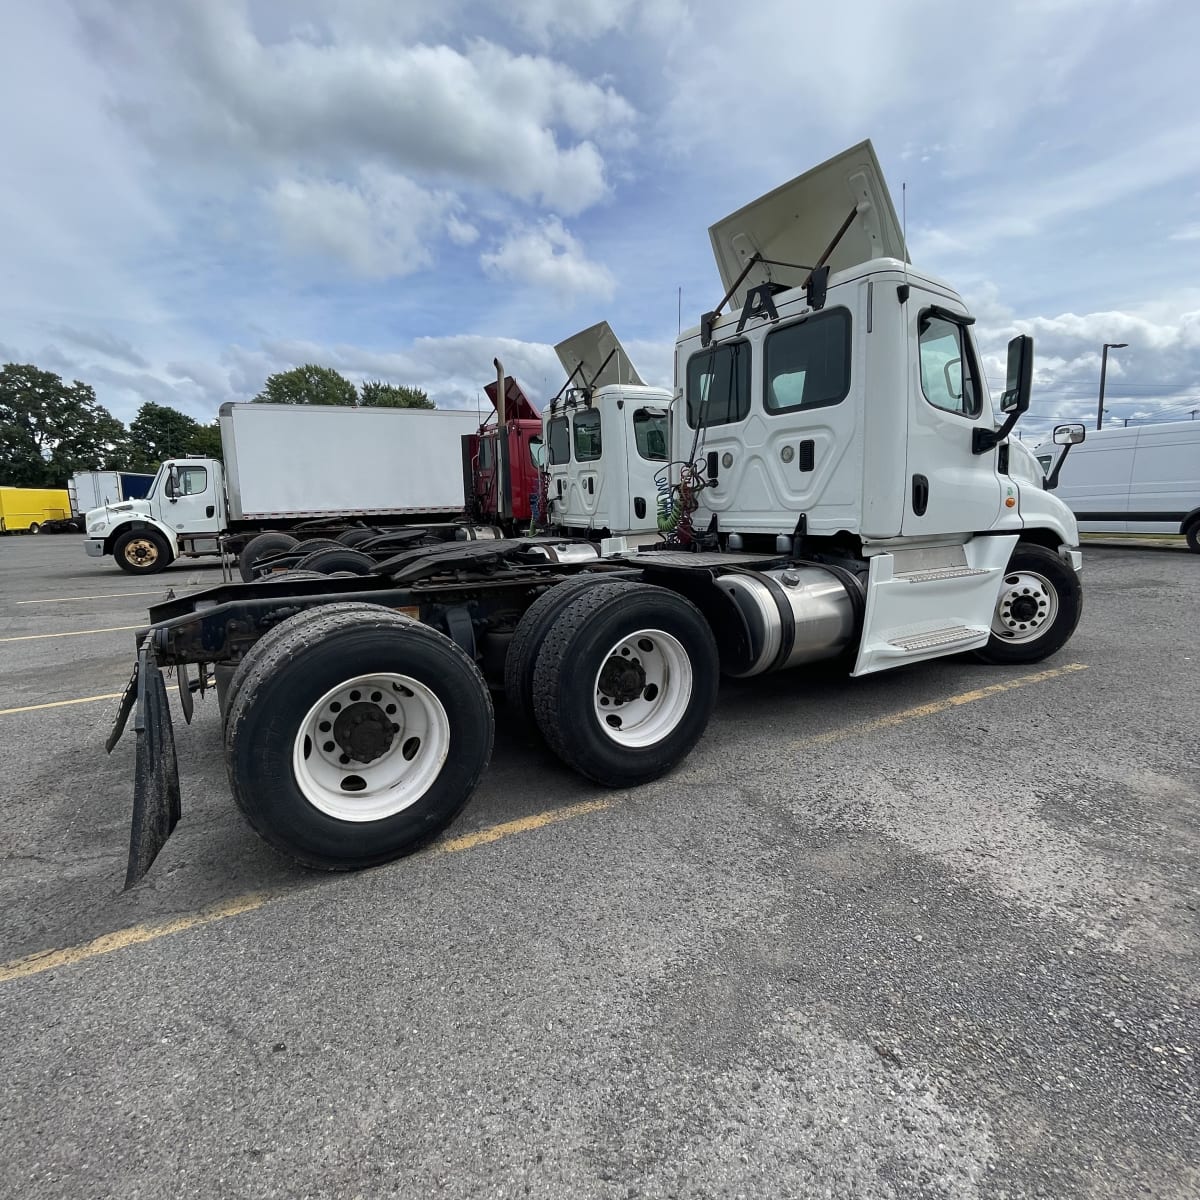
(526, 125)
(106, 343)
(548, 256)
(381, 226)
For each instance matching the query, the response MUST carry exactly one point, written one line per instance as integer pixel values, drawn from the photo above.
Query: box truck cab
(1135, 479)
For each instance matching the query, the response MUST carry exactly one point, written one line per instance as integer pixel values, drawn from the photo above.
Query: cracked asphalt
(863, 943)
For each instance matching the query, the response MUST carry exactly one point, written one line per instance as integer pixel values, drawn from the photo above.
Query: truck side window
(947, 373)
(1044, 461)
(808, 364)
(718, 385)
(536, 456)
(587, 435)
(650, 433)
(192, 480)
(560, 441)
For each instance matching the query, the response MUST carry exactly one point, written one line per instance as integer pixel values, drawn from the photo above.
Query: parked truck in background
(94, 489)
(307, 470)
(838, 488)
(26, 510)
(1135, 479)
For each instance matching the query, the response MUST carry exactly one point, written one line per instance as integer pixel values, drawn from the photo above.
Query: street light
(1103, 371)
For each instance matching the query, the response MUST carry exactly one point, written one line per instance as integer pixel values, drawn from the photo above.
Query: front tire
(142, 552)
(356, 737)
(1037, 610)
(625, 682)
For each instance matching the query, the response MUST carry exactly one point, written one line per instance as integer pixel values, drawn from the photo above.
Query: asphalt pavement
(931, 933)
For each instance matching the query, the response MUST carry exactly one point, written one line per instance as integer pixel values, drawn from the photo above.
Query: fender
(141, 521)
(1189, 520)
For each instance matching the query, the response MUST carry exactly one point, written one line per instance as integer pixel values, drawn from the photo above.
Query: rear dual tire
(625, 682)
(355, 735)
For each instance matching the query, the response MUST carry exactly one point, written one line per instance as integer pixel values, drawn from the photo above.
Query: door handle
(591, 482)
(920, 494)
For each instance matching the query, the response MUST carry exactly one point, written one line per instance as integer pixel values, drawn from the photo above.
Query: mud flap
(156, 804)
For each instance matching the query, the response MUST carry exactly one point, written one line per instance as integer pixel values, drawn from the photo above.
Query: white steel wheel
(1026, 608)
(642, 689)
(371, 747)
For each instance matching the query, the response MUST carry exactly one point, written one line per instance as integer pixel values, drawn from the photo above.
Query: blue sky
(202, 192)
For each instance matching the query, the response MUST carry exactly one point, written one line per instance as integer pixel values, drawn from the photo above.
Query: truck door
(586, 498)
(190, 503)
(949, 489)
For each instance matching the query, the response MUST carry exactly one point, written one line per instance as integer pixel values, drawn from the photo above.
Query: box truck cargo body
(290, 466)
(1135, 479)
(26, 510)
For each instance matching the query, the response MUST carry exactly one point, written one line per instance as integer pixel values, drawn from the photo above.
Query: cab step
(914, 643)
(936, 573)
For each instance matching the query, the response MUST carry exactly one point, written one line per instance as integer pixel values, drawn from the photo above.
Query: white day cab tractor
(837, 488)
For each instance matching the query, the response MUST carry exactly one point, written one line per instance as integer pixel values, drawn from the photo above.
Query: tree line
(49, 429)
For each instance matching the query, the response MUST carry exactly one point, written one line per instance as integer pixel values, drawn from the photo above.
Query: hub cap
(141, 551)
(642, 688)
(1026, 608)
(371, 747)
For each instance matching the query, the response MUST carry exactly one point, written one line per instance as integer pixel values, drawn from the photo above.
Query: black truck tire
(1039, 605)
(521, 660)
(142, 551)
(625, 682)
(260, 546)
(352, 537)
(336, 558)
(236, 673)
(1192, 533)
(356, 737)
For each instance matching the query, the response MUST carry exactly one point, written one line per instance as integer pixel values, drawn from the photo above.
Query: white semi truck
(838, 488)
(309, 469)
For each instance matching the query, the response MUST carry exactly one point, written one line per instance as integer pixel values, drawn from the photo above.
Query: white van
(1134, 479)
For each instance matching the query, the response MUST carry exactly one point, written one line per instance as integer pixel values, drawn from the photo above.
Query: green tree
(377, 394)
(207, 441)
(308, 384)
(49, 429)
(158, 432)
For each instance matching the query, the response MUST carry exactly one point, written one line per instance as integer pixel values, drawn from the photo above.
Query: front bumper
(93, 548)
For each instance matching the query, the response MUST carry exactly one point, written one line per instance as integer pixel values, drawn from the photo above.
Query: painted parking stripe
(94, 596)
(34, 637)
(49, 960)
(136, 935)
(24, 708)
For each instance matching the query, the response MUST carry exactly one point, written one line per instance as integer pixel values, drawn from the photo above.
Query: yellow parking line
(135, 935)
(49, 960)
(33, 637)
(95, 596)
(941, 706)
(8, 712)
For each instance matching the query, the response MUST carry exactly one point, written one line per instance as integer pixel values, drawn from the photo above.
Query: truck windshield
(718, 385)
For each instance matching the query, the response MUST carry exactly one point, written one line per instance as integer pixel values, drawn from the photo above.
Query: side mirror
(1069, 435)
(538, 454)
(171, 487)
(1018, 387)
(1065, 436)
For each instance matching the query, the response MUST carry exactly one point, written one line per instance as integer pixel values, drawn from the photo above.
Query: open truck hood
(591, 347)
(517, 405)
(797, 221)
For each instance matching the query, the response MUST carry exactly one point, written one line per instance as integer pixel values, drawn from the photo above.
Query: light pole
(1103, 371)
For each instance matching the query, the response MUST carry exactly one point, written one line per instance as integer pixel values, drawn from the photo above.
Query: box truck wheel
(34, 527)
(259, 547)
(356, 737)
(1039, 605)
(142, 551)
(625, 682)
(535, 623)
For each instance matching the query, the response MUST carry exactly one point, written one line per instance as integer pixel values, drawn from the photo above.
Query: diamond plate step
(940, 573)
(936, 637)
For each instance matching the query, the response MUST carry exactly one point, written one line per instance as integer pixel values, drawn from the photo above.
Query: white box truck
(1134, 479)
(314, 469)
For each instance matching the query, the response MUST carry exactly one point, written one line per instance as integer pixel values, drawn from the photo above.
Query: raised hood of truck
(591, 348)
(795, 223)
(517, 405)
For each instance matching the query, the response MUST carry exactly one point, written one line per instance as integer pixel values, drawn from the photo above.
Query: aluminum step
(936, 573)
(914, 642)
